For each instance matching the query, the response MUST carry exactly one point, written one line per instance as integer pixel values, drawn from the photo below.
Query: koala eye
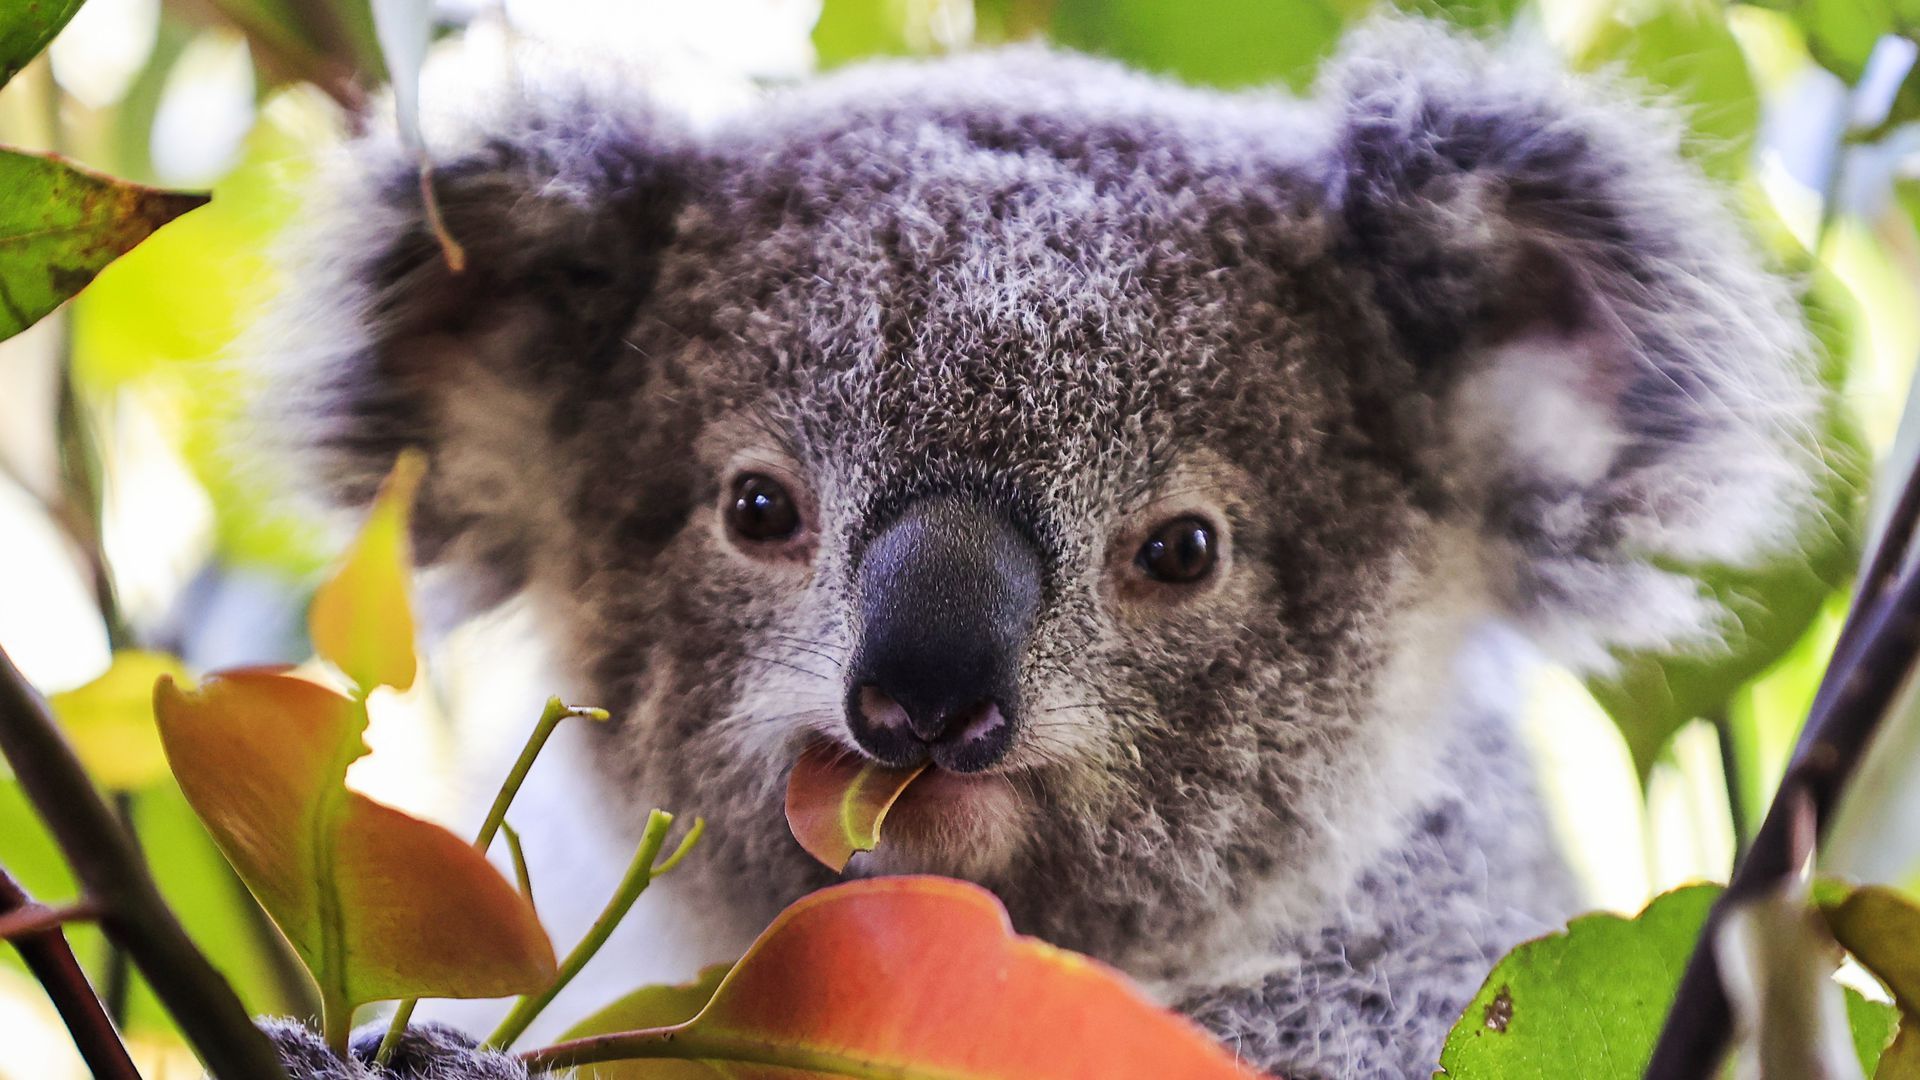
(1180, 552)
(761, 511)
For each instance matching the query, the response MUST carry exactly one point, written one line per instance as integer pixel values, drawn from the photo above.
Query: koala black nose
(948, 594)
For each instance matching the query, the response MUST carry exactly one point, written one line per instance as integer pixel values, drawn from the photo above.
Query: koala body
(1172, 467)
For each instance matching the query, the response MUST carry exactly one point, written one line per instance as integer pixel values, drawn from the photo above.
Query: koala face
(1094, 535)
(1134, 454)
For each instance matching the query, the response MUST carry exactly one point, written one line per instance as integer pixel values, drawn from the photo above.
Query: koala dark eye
(1180, 552)
(761, 511)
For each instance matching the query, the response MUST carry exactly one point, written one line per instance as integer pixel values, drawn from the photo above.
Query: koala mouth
(857, 815)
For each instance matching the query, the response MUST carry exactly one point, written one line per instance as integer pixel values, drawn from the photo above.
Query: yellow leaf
(362, 617)
(379, 905)
(109, 721)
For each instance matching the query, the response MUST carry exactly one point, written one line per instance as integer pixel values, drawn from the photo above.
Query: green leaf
(652, 1007)
(1235, 43)
(1841, 33)
(1474, 14)
(1880, 926)
(1874, 1025)
(856, 29)
(1587, 1002)
(27, 27)
(60, 224)
(164, 320)
(1684, 49)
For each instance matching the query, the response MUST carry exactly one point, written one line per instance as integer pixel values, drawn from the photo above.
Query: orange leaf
(379, 905)
(362, 619)
(836, 802)
(918, 978)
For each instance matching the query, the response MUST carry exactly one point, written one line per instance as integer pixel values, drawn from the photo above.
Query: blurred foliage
(153, 339)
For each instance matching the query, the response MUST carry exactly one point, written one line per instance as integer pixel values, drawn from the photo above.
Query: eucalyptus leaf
(1587, 1002)
(28, 26)
(61, 224)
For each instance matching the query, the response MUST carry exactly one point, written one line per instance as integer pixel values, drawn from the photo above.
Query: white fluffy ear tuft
(1621, 384)
(562, 182)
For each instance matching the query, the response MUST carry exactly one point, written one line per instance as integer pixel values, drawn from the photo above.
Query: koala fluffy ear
(562, 186)
(1616, 380)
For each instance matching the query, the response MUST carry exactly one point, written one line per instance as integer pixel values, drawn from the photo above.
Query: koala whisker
(802, 645)
(1123, 708)
(809, 672)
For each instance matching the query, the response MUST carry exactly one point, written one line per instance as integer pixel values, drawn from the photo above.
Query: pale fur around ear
(1618, 381)
(561, 181)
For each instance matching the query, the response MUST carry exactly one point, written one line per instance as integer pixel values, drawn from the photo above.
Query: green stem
(686, 845)
(681, 1044)
(520, 876)
(336, 1024)
(543, 730)
(550, 718)
(638, 876)
(1732, 777)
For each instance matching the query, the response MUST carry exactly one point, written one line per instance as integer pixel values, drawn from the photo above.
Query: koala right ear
(562, 187)
(1613, 382)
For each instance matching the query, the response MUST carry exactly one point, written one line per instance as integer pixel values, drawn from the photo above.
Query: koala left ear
(562, 182)
(1616, 378)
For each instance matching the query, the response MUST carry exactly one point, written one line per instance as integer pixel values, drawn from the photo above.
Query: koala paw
(426, 1052)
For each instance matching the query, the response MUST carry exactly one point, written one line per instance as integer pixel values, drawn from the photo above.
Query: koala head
(1136, 454)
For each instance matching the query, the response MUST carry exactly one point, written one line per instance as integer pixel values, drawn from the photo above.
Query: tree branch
(116, 878)
(34, 932)
(1874, 660)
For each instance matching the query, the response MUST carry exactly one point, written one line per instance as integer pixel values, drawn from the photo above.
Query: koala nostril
(963, 740)
(881, 712)
(983, 721)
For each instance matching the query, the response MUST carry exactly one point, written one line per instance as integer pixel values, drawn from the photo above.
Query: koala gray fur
(1457, 342)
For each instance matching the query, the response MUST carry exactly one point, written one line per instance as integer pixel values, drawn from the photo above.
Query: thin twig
(638, 876)
(51, 961)
(82, 497)
(543, 729)
(116, 878)
(37, 918)
(1857, 692)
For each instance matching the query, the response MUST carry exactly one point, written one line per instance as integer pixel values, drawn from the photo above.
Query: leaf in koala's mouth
(836, 802)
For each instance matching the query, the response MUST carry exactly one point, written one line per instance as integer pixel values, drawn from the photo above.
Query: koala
(1186, 475)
